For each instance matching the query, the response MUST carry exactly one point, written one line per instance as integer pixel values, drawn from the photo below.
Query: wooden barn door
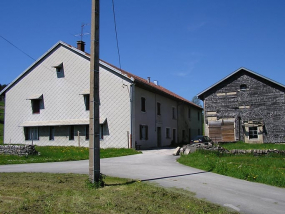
(215, 132)
(228, 127)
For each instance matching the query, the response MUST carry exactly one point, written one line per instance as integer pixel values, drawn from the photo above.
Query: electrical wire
(118, 49)
(17, 47)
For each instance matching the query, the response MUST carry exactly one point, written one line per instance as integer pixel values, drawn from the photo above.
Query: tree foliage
(2, 86)
(196, 101)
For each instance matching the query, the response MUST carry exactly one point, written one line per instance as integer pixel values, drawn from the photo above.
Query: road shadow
(173, 176)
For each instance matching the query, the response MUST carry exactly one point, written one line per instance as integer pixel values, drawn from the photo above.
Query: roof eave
(200, 95)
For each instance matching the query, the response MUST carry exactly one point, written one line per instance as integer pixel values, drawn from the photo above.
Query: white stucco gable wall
(61, 96)
(63, 100)
(115, 108)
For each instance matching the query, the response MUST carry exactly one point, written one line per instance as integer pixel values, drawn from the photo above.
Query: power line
(116, 33)
(17, 48)
(34, 59)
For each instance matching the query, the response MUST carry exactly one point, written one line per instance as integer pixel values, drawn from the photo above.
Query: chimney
(148, 79)
(81, 45)
(155, 82)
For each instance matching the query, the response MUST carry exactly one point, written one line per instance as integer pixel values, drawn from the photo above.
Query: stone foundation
(23, 150)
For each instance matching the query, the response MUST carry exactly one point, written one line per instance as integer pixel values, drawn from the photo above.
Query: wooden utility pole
(94, 128)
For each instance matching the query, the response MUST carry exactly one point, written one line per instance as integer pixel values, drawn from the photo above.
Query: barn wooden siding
(262, 101)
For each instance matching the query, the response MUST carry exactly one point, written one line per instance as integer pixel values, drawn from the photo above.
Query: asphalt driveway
(161, 167)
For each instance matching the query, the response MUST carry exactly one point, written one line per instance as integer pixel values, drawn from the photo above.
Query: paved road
(161, 167)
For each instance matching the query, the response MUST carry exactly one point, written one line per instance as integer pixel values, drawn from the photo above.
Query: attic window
(59, 70)
(243, 87)
(58, 67)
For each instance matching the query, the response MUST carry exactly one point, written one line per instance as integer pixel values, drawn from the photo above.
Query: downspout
(177, 116)
(132, 96)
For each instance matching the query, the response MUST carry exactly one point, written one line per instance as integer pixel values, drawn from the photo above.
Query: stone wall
(190, 148)
(23, 150)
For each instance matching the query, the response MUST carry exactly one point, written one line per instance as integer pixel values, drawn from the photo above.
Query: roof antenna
(82, 30)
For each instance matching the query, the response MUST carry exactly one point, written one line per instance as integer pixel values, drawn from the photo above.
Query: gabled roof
(136, 79)
(201, 94)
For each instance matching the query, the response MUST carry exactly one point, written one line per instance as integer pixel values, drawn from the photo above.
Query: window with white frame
(143, 132)
(253, 133)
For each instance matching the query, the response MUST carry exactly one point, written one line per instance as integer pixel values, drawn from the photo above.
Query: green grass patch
(242, 145)
(267, 169)
(62, 153)
(68, 193)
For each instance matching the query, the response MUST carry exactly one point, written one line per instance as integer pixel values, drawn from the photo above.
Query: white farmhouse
(48, 104)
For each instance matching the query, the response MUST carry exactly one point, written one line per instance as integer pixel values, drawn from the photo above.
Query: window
(143, 132)
(31, 133)
(243, 87)
(59, 70)
(158, 108)
(167, 132)
(253, 133)
(101, 131)
(173, 113)
(71, 132)
(87, 132)
(51, 133)
(36, 106)
(189, 113)
(87, 101)
(142, 104)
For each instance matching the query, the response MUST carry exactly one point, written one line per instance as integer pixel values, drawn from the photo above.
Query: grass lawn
(242, 145)
(68, 193)
(268, 169)
(60, 153)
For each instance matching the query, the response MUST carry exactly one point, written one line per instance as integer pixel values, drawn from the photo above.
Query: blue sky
(187, 45)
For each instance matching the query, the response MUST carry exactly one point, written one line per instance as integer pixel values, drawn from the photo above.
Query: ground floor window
(31, 133)
(51, 133)
(87, 132)
(71, 132)
(253, 133)
(143, 132)
(101, 131)
(167, 132)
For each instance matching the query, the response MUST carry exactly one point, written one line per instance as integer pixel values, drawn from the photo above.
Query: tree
(2, 87)
(196, 101)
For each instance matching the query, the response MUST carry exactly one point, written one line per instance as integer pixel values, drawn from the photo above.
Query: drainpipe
(132, 101)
